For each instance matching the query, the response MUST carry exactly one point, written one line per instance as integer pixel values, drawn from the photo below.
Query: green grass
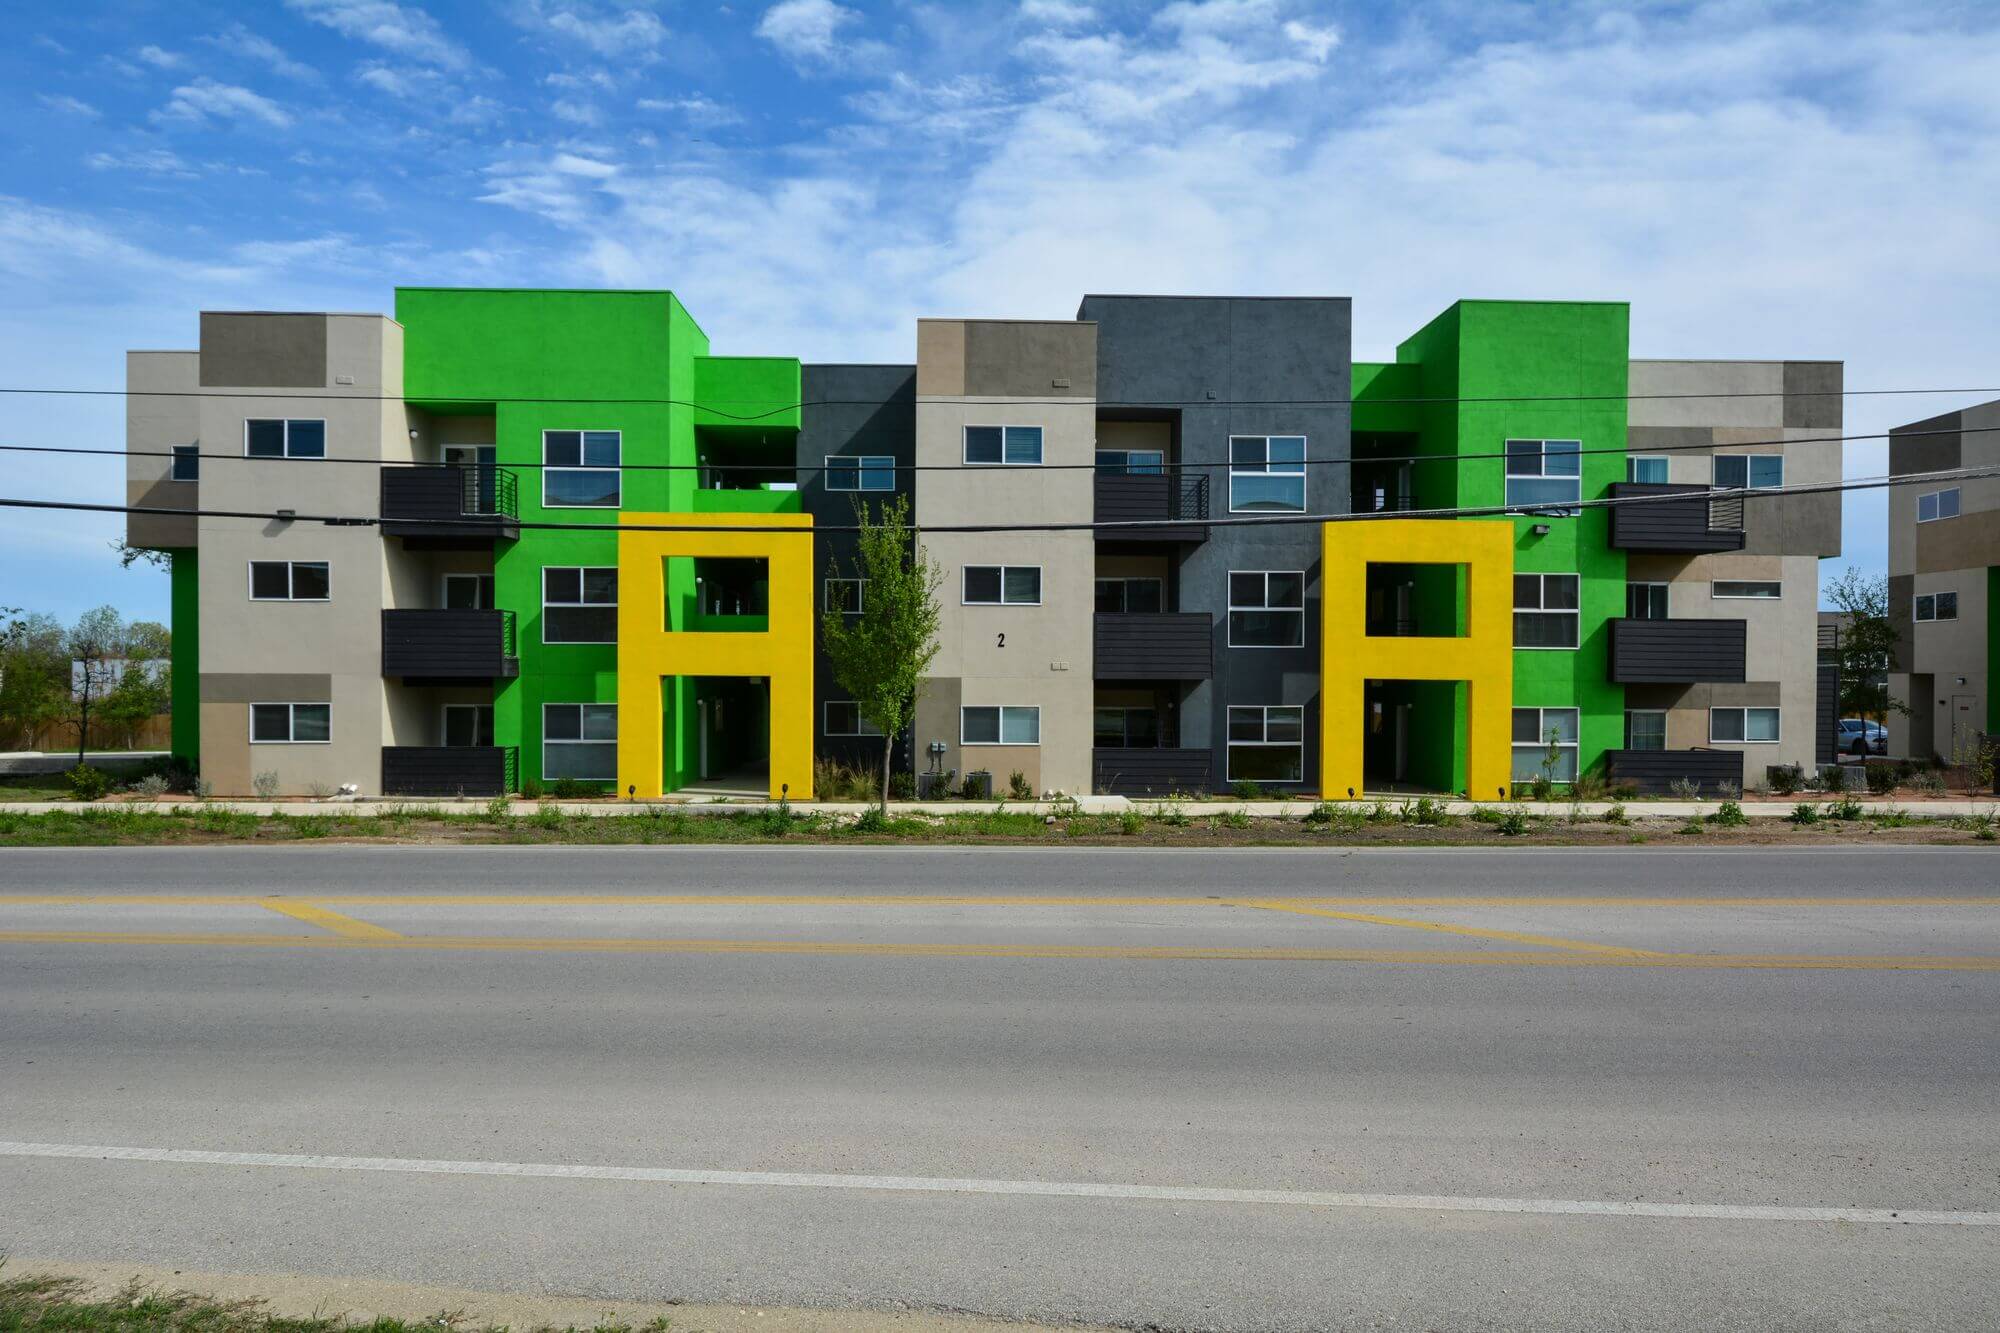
(64, 1305)
(33, 787)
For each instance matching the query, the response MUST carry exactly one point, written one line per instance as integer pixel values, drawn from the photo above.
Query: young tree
(880, 656)
(141, 689)
(1867, 646)
(96, 641)
(34, 676)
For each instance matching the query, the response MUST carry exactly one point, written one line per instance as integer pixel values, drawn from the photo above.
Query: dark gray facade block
(1654, 772)
(1667, 652)
(1813, 395)
(1172, 645)
(1933, 445)
(256, 350)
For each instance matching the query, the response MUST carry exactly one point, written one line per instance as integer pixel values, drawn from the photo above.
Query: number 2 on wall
(1003, 641)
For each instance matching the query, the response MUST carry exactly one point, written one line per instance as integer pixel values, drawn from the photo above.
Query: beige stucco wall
(153, 426)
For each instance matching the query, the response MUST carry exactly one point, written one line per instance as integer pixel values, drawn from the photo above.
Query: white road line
(1715, 1212)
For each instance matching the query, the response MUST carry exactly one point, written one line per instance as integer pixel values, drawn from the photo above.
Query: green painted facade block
(631, 361)
(184, 667)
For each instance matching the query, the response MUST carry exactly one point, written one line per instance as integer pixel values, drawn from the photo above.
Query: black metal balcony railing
(450, 502)
(1161, 645)
(1173, 505)
(449, 645)
(1677, 652)
(1665, 517)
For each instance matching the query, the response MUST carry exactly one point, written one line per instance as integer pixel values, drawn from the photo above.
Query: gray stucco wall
(1240, 366)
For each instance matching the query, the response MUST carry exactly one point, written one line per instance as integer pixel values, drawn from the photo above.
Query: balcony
(1654, 772)
(1173, 507)
(1172, 645)
(449, 645)
(450, 505)
(1695, 522)
(449, 770)
(1677, 652)
(1150, 772)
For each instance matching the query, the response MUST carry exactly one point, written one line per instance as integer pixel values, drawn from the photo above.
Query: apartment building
(1944, 585)
(523, 537)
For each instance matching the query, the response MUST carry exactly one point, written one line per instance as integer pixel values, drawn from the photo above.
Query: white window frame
(617, 469)
(1630, 584)
(1748, 471)
(1937, 505)
(1541, 743)
(1715, 593)
(965, 444)
(579, 705)
(861, 465)
(581, 570)
(1917, 607)
(291, 580)
(1000, 723)
(291, 708)
(289, 423)
(1746, 710)
(444, 725)
(966, 570)
(1632, 462)
(1231, 608)
(1575, 613)
(860, 596)
(1230, 744)
(1541, 508)
(1123, 468)
(863, 727)
(191, 455)
(1284, 469)
(1631, 713)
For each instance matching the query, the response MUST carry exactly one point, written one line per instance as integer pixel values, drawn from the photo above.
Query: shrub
(835, 781)
(1882, 779)
(531, 790)
(496, 808)
(1131, 823)
(1018, 788)
(1321, 813)
(1425, 811)
(1233, 819)
(1685, 789)
(568, 789)
(1172, 814)
(1930, 782)
(153, 784)
(1543, 787)
(1513, 823)
(203, 789)
(87, 783)
(1245, 790)
(1694, 825)
(1616, 815)
(1588, 787)
(1625, 791)
(872, 820)
(1833, 778)
(1785, 779)
(1728, 790)
(1805, 812)
(1846, 808)
(902, 785)
(265, 784)
(318, 790)
(1729, 815)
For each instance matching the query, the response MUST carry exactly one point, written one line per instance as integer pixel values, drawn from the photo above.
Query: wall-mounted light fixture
(1540, 529)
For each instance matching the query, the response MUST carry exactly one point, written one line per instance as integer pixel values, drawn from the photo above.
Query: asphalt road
(1436, 1089)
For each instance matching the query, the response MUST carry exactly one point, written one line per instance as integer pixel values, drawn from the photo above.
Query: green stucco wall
(184, 670)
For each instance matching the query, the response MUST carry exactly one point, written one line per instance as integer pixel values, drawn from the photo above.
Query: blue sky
(1757, 179)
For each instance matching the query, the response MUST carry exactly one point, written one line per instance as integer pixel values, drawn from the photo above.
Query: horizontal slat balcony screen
(1688, 518)
(1176, 502)
(1174, 645)
(1676, 652)
(448, 645)
(1654, 772)
(1143, 772)
(446, 770)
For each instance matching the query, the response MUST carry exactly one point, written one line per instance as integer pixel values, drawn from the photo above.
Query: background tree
(880, 656)
(1867, 646)
(140, 687)
(34, 676)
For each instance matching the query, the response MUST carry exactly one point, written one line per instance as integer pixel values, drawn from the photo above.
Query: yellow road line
(958, 900)
(311, 914)
(1474, 932)
(1459, 957)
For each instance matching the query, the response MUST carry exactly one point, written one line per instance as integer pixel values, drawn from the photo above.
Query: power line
(854, 463)
(1562, 509)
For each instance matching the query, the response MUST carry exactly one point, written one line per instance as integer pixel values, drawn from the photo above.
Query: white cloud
(68, 106)
(576, 113)
(205, 100)
(1316, 42)
(150, 161)
(238, 40)
(573, 164)
(160, 59)
(1060, 13)
(632, 34)
(806, 31)
(404, 29)
(698, 109)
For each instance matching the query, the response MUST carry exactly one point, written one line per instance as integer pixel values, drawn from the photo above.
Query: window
(580, 741)
(291, 724)
(468, 592)
(1007, 725)
(1754, 725)
(1646, 601)
(580, 468)
(1013, 446)
(1136, 596)
(579, 605)
(284, 439)
(1645, 729)
(1544, 472)
(290, 581)
(1003, 585)
(845, 595)
(1535, 730)
(1267, 608)
(1930, 507)
(468, 724)
(1545, 610)
(843, 718)
(1266, 743)
(1937, 606)
(1752, 471)
(1267, 474)
(187, 463)
(1131, 462)
(873, 472)
(1125, 728)
(1762, 588)
(1646, 467)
